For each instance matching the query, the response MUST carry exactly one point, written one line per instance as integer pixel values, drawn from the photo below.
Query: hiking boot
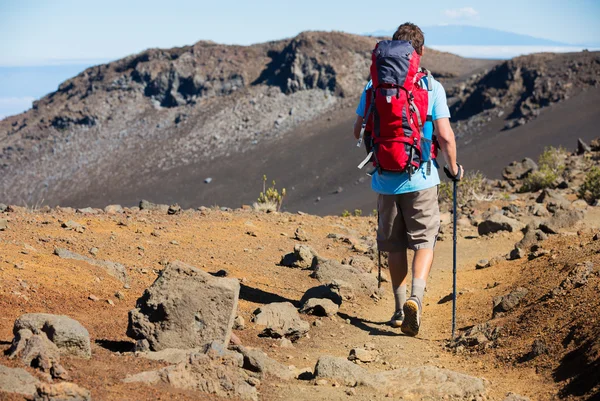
(412, 317)
(397, 319)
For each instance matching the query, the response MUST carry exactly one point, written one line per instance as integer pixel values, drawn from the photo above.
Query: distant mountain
(466, 35)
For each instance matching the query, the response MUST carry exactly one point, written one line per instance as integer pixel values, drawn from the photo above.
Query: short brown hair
(410, 32)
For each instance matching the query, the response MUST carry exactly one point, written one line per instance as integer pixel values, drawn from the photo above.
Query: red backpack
(396, 109)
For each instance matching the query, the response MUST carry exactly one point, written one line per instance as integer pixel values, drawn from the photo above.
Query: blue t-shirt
(389, 183)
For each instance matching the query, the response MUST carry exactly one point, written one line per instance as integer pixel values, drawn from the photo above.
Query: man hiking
(401, 106)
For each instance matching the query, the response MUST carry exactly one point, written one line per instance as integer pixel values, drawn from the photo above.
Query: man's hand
(455, 173)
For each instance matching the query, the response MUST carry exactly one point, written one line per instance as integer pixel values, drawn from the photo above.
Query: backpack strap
(364, 123)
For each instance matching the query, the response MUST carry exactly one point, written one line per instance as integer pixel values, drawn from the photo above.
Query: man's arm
(357, 126)
(447, 142)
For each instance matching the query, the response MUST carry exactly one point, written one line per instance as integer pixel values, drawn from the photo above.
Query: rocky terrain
(517, 90)
(156, 301)
(125, 129)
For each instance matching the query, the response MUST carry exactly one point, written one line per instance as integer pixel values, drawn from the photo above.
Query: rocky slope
(291, 307)
(517, 90)
(121, 125)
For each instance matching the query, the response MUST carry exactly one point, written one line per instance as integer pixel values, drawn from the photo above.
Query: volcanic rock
(185, 308)
(281, 319)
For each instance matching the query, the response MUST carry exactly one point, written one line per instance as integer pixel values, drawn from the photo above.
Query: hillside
(528, 318)
(128, 124)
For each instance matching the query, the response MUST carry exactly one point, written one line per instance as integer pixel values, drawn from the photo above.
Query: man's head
(414, 34)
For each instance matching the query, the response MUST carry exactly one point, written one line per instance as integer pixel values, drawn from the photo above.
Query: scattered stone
(553, 200)
(74, 226)
(538, 210)
(362, 355)
(87, 210)
(174, 242)
(61, 392)
(281, 319)
(208, 180)
(94, 298)
(482, 264)
(35, 350)
(110, 302)
(578, 277)
(508, 302)
(214, 371)
(257, 361)
(328, 271)
(239, 323)
(3, 208)
(562, 219)
(119, 295)
(516, 253)
(302, 257)
(531, 237)
(538, 348)
(518, 171)
(481, 335)
(301, 235)
(113, 209)
(362, 262)
(498, 222)
(285, 343)
(116, 270)
(582, 147)
(94, 251)
(174, 209)
(67, 334)
(185, 308)
(328, 291)
(345, 372)
(319, 307)
(15, 380)
(234, 340)
(515, 397)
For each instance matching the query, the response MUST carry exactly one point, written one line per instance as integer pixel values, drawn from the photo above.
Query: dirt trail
(249, 246)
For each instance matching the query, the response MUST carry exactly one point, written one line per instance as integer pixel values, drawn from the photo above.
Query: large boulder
(499, 222)
(14, 380)
(281, 319)
(67, 334)
(185, 308)
(319, 307)
(328, 271)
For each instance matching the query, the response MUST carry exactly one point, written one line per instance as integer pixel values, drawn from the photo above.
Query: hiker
(403, 150)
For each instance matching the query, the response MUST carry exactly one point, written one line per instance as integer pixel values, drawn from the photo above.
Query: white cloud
(465, 12)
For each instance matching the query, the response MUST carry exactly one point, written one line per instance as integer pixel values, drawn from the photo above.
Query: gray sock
(418, 288)
(400, 296)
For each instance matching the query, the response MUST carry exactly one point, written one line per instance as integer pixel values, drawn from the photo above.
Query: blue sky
(66, 31)
(37, 36)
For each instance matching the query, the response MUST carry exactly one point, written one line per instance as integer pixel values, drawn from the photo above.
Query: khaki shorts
(408, 221)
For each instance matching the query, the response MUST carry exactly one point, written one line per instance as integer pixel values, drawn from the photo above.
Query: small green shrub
(473, 186)
(551, 165)
(590, 190)
(270, 199)
(345, 213)
(357, 212)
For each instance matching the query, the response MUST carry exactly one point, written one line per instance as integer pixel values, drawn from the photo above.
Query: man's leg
(391, 238)
(422, 218)
(398, 264)
(420, 271)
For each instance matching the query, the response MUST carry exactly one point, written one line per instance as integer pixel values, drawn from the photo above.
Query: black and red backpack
(396, 110)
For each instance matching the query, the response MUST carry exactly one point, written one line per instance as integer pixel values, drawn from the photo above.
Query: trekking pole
(454, 190)
(379, 263)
